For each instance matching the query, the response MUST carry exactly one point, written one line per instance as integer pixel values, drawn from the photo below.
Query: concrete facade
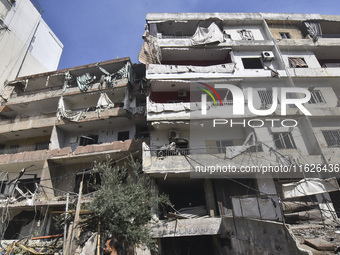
(256, 54)
(241, 164)
(27, 44)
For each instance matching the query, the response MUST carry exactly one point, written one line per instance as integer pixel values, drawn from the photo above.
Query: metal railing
(168, 151)
(18, 149)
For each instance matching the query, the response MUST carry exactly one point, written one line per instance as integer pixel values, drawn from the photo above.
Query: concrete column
(46, 181)
(209, 197)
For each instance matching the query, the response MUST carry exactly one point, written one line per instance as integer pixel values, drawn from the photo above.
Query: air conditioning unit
(267, 55)
(173, 134)
(182, 93)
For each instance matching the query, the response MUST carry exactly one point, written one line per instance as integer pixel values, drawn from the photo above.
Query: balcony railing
(18, 149)
(173, 151)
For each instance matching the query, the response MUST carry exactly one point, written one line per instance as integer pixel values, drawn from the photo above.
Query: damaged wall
(257, 237)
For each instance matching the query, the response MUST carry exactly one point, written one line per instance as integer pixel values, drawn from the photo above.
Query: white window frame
(285, 139)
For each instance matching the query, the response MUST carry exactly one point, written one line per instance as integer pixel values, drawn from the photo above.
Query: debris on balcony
(85, 81)
(189, 213)
(107, 79)
(63, 112)
(175, 69)
(309, 186)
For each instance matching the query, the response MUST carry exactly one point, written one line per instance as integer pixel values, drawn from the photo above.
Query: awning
(309, 186)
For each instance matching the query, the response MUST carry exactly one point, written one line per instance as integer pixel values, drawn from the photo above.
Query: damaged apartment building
(212, 105)
(54, 125)
(221, 106)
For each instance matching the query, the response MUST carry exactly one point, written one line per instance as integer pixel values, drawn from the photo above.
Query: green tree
(123, 202)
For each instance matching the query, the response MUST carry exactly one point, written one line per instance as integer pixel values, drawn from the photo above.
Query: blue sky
(99, 30)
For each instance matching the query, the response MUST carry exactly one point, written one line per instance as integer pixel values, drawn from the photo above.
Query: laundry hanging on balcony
(203, 35)
(63, 112)
(85, 81)
(314, 29)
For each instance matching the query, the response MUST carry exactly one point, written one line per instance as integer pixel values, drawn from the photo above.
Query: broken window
(246, 35)
(266, 98)
(122, 136)
(86, 140)
(284, 140)
(316, 97)
(332, 137)
(284, 35)
(297, 63)
(252, 63)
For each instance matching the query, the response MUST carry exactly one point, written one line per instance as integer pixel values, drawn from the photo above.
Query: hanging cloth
(84, 81)
(212, 34)
(69, 114)
(314, 29)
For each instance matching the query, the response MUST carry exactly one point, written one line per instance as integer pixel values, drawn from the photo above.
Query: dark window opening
(332, 137)
(27, 185)
(22, 225)
(221, 144)
(175, 188)
(170, 97)
(252, 63)
(225, 189)
(42, 146)
(284, 140)
(13, 149)
(90, 139)
(316, 97)
(285, 35)
(122, 136)
(2, 148)
(142, 132)
(187, 245)
(90, 182)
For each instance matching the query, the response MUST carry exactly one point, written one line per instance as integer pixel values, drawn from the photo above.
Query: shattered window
(332, 137)
(246, 35)
(284, 140)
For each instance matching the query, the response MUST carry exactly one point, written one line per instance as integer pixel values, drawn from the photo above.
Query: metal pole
(65, 225)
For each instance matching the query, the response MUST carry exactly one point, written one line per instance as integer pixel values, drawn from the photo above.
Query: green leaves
(124, 200)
